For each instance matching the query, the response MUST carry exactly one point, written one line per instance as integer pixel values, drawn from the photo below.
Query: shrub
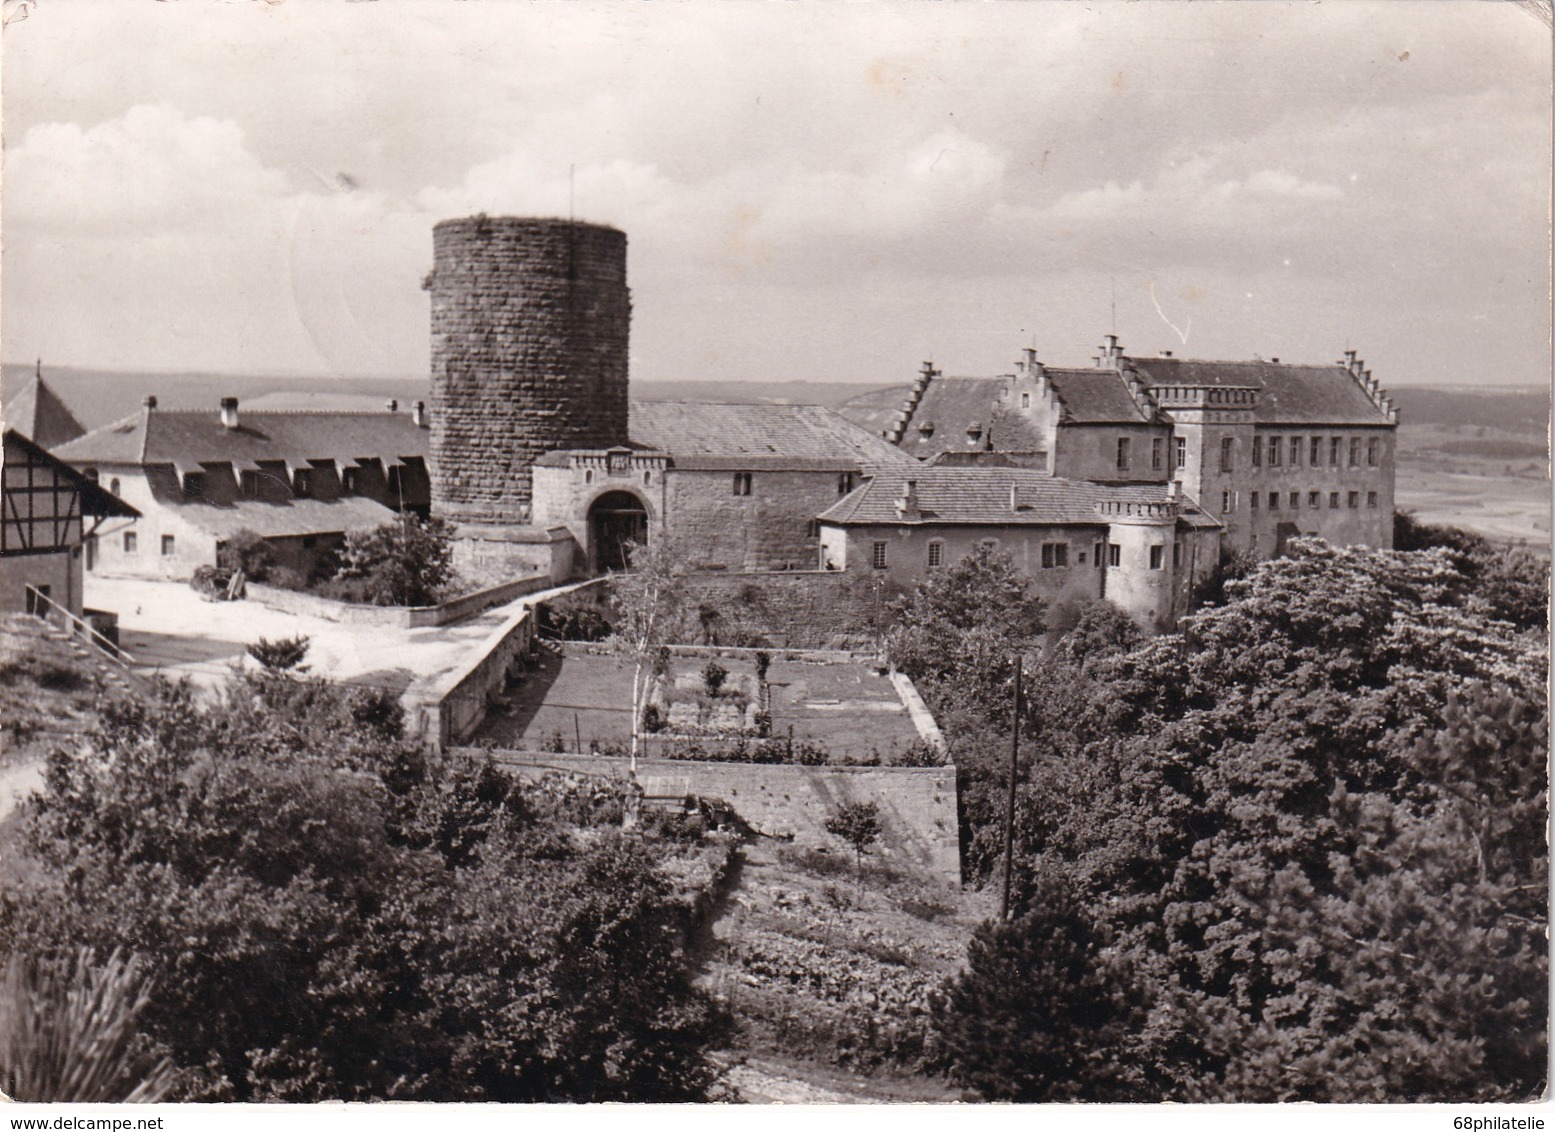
(248, 551)
(653, 719)
(713, 676)
(857, 823)
(283, 655)
(763, 662)
(408, 561)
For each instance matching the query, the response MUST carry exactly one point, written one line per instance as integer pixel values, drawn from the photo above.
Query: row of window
(250, 482)
(1293, 500)
(743, 481)
(1054, 555)
(1274, 446)
(132, 544)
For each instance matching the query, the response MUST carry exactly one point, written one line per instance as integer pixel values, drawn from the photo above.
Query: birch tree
(649, 599)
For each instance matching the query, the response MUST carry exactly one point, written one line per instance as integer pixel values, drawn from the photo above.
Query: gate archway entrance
(616, 518)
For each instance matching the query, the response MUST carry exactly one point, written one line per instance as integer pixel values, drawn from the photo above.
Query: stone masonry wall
(769, 529)
(530, 326)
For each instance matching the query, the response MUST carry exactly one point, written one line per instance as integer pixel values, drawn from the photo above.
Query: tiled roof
(1095, 396)
(982, 496)
(298, 517)
(951, 406)
(711, 435)
(38, 413)
(185, 437)
(1290, 394)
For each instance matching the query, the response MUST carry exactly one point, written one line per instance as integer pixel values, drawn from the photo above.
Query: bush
(408, 561)
(763, 663)
(282, 655)
(713, 676)
(248, 551)
(653, 719)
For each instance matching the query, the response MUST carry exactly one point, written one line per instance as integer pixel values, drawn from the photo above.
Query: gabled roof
(954, 408)
(1095, 396)
(188, 436)
(982, 496)
(37, 412)
(699, 434)
(1288, 394)
(94, 500)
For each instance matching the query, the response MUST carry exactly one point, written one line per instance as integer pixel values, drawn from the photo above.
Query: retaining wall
(395, 616)
(917, 804)
(449, 708)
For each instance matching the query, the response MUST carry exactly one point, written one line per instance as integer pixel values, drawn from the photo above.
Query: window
(742, 486)
(1055, 555)
(130, 546)
(588, 475)
(1227, 502)
(348, 481)
(1355, 451)
(1371, 452)
(1252, 499)
(877, 556)
(1295, 451)
(1114, 554)
(989, 544)
(813, 529)
(1101, 555)
(1181, 444)
(1157, 453)
(1333, 451)
(647, 479)
(1227, 446)
(1025, 400)
(1157, 556)
(1355, 499)
(113, 485)
(1333, 500)
(194, 483)
(1257, 452)
(1274, 501)
(844, 483)
(1122, 453)
(1295, 501)
(302, 483)
(1371, 499)
(1177, 554)
(1314, 499)
(1315, 454)
(936, 555)
(1274, 452)
(167, 545)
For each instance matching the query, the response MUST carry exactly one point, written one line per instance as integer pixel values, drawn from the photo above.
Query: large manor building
(1124, 480)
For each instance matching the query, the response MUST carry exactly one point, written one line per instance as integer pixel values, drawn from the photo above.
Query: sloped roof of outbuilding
(1288, 394)
(295, 517)
(189, 436)
(982, 496)
(38, 412)
(1095, 396)
(699, 434)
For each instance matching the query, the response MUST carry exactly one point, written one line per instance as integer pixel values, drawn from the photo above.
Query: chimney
(1031, 358)
(1174, 489)
(418, 414)
(907, 502)
(392, 405)
(229, 412)
(150, 402)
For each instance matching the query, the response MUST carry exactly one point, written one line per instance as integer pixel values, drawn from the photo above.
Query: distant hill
(99, 397)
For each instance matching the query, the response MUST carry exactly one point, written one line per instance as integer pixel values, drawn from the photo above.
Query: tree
(329, 913)
(408, 561)
(1042, 1012)
(857, 823)
(649, 599)
(248, 551)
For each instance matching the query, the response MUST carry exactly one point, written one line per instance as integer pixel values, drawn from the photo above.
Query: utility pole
(1009, 808)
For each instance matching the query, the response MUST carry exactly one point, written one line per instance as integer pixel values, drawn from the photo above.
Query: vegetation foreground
(1295, 851)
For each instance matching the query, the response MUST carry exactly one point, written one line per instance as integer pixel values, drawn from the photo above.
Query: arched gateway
(616, 518)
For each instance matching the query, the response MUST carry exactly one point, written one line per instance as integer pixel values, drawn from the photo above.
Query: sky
(811, 192)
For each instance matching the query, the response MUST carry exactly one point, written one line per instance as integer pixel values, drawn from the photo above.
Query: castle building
(1269, 450)
(302, 481)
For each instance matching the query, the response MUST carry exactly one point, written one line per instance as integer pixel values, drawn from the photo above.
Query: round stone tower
(530, 326)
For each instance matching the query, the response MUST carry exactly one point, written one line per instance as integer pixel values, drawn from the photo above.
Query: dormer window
(248, 481)
(349, 479)
(844, 483)
(302, 483)
(926, 429)
(974, 432)
(194, 483)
